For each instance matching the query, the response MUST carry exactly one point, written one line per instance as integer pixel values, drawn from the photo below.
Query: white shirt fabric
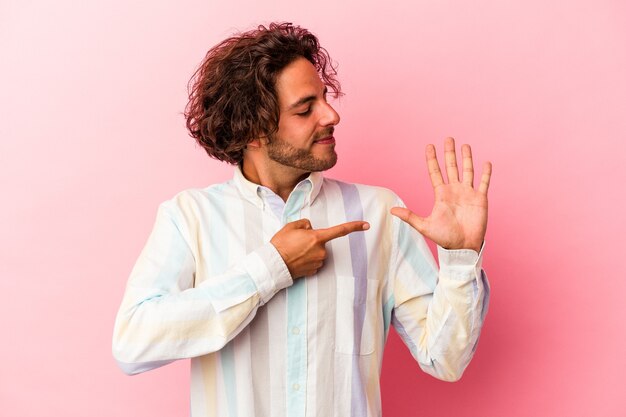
(209, 286)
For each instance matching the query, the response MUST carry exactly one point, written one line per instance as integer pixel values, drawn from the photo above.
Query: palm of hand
(459, 216)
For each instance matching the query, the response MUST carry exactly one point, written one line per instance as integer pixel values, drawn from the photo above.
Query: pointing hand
(303, 249)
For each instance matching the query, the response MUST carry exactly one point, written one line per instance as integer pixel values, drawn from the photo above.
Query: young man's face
(304, 139)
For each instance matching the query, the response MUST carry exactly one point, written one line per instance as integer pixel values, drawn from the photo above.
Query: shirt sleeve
(438, 312)
(164, 317)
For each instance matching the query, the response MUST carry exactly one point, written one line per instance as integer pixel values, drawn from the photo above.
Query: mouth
(329, 140)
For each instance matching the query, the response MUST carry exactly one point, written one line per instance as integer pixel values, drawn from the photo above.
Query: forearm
(157, 325)
(445, 340)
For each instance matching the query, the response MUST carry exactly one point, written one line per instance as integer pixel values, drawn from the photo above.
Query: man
(254, 280)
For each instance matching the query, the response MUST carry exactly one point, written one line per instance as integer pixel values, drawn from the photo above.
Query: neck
(278, 178)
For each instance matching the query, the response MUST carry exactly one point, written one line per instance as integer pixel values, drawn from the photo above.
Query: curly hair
(232, 95)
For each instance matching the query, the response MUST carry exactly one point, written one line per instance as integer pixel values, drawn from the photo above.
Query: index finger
(341, 230)
(433, 166)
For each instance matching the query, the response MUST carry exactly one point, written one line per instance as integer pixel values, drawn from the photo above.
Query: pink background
(92, 139)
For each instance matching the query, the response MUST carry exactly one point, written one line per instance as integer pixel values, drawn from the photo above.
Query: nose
(330, 116)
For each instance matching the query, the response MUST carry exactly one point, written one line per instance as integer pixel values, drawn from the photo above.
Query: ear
(254, 143)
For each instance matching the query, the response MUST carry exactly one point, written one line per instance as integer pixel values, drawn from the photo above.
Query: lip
(329, 140)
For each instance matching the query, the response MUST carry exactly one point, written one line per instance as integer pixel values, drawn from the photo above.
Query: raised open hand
(459, 217)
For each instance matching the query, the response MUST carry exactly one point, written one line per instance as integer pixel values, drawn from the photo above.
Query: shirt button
(295, 330)
(296, 387)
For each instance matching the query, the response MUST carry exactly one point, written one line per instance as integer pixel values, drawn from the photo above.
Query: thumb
(409, 217)
(300, 224)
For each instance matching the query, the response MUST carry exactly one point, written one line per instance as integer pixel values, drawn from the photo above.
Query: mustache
(324, 133)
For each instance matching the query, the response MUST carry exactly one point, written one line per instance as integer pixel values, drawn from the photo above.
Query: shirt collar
(254, 192)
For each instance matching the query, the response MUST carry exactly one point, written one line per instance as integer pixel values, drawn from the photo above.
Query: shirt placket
(296, 319)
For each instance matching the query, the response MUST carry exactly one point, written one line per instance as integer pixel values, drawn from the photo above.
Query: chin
(328, 164)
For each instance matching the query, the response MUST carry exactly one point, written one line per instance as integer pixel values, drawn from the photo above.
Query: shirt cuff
(460, 264)
(268, 271)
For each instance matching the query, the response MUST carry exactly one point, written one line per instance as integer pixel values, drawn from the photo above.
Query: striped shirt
(209, 286)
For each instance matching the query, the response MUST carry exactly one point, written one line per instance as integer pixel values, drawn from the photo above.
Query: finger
(312, 269)
(409, 217)
(468, 165)
(433, 166)
(450, 156)
(341, 230)
(486, 177)
(300, 224)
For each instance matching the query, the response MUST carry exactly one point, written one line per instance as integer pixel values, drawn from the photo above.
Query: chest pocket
(358, 316)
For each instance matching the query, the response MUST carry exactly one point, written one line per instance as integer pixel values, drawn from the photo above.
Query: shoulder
(193, 201)
(365, 194)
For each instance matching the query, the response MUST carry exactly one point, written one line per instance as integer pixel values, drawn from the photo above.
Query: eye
(304, 113)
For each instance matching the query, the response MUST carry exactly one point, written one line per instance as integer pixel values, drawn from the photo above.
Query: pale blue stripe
(233, 287)
(387, 310)
(174, 261)
(407, 249)
(294, 204)
(296, 319)
(227, 357)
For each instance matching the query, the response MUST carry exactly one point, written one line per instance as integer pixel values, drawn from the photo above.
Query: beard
(286, 154)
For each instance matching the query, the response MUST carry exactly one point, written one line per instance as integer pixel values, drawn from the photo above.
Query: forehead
(298, 79)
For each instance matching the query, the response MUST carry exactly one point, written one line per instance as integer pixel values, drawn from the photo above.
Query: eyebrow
(305, 100)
